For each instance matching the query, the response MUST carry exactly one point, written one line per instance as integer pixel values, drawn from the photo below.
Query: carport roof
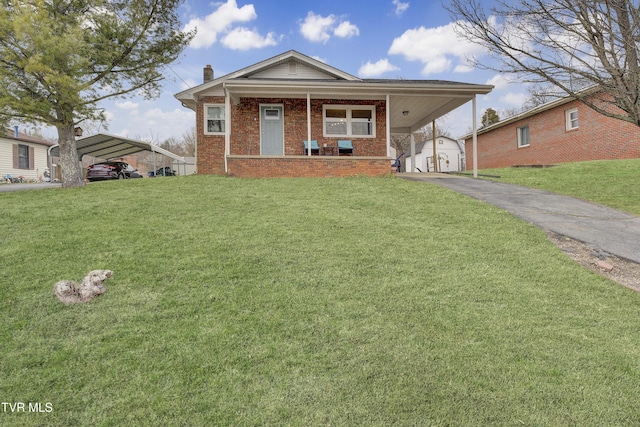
(105, 146)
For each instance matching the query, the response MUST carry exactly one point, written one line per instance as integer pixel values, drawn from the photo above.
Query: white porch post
(475, 139)
(413, 153)
(227, 128)
(309, 123)
(436, 167)
(388, 119)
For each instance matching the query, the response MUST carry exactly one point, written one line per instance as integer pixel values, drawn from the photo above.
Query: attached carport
(107, 147)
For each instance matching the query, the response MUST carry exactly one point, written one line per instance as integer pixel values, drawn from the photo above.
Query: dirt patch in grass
(620, 270)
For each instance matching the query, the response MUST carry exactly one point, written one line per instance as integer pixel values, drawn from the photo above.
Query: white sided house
(449, 154)
(23, 156)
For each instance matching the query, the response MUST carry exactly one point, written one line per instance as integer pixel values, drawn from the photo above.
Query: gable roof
(413, 103)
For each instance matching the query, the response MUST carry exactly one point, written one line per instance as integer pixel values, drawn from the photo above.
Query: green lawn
(614, 183)
(355, 301)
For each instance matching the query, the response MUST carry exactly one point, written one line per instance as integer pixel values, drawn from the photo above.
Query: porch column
(309, 123)
(388, 123)
(436, 166)
(413, 153)
(227, 128)
(475, 139)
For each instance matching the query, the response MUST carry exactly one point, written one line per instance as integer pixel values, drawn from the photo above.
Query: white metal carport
(105, 146)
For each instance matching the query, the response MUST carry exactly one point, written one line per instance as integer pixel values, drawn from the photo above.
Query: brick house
(564, 130)
(253, 122)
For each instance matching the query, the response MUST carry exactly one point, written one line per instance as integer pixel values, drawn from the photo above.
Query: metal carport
(105, 146)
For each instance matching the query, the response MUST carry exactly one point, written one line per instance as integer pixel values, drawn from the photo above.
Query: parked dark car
(165, 171)
(111, 170)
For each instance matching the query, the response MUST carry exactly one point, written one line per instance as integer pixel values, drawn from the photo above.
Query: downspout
(309, 124)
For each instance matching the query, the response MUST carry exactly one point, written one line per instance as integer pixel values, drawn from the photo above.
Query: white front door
(271, 130)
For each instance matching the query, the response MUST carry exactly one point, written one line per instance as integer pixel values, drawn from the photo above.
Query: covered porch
(397, 107)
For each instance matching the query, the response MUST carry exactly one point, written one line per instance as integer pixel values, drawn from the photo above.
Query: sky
(408, 39)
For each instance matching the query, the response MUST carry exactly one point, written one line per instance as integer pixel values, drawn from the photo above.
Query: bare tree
(578, 46)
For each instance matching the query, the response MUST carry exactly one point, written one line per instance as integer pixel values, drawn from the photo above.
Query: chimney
(207, 74)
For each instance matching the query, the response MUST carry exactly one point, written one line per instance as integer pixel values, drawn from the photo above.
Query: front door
(271, 130)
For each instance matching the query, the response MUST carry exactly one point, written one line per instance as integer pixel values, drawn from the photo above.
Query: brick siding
(245, 141)
(305, 166)
(597, 137)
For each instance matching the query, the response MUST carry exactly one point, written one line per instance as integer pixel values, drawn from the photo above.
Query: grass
(351, 301)
(612, 183)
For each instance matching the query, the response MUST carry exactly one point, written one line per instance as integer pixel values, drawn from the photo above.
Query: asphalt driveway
(615, 232)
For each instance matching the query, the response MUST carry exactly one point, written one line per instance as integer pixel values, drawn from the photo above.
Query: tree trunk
(69, 162)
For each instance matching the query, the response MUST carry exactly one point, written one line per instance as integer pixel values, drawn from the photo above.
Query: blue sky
(412, 39)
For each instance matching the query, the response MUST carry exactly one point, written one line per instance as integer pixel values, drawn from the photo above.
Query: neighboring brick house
(23, 155)
(565, 130)
(253, 122)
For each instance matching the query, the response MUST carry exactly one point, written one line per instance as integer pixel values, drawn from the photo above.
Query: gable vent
(293, 68)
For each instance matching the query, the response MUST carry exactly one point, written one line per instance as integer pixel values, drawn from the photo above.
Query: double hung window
(349, 121)
(523, 136)
(572, 118)
(214, 119)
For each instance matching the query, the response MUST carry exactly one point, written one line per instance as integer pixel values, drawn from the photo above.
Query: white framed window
(572, 118)
(349, 121)
(214, 119)
(523, 136)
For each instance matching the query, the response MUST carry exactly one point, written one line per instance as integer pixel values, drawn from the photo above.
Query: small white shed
(449, 153)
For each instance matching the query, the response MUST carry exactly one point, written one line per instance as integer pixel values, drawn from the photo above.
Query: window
(357, 120)
(214, 119)
(523, 136)
(572, 118)
(271, 114)
(23, 156)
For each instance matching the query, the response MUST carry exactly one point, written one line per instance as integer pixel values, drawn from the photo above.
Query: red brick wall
(597, 137)
(245, 141)
(210, 148)
(304, 166)
(245, 119)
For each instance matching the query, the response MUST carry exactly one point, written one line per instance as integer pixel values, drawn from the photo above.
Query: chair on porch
(345, 146)
(315, 148)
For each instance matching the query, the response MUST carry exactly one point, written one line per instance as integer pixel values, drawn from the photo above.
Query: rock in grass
(69, 292)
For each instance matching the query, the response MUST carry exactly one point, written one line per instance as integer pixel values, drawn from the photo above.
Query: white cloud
(500, 81)
(219, 22)
(436, 48)
(516, 99)
(375, 69)
(127, 105)
(401, 7)
(318, 28)
(244, 39)
(346, 30)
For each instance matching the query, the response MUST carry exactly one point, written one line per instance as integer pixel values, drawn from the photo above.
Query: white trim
(569, 121)
(349, 120)
(519, 136)
(206, 118)
(309, 122)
